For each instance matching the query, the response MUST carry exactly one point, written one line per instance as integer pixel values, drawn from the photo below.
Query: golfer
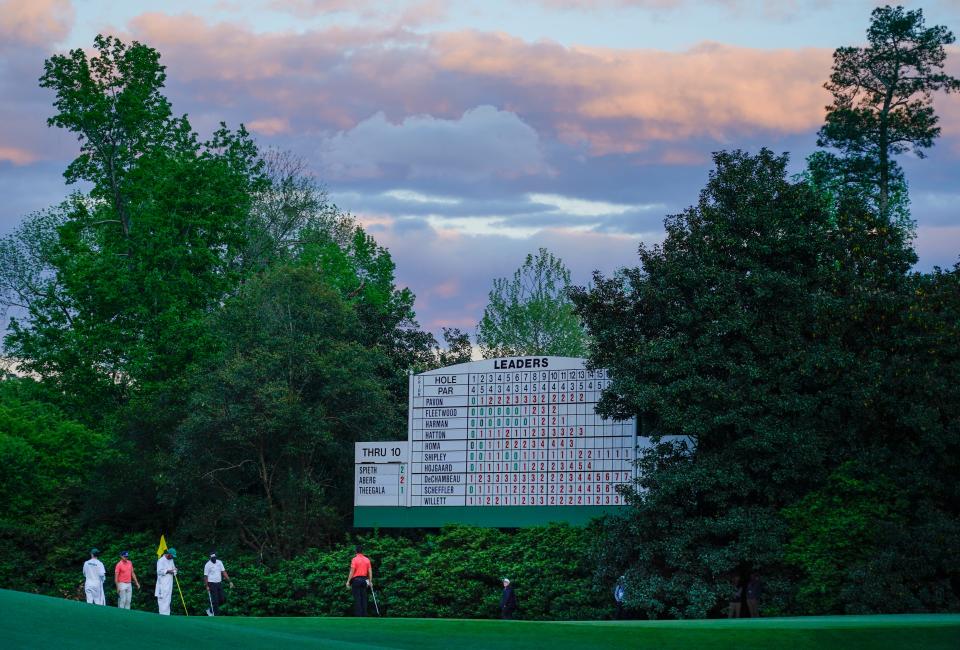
(93, 576)
(123, 573)
(166, 569)
(213, 575)
(361, 576)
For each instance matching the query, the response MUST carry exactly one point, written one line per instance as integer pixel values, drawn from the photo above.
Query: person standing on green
(166, 569)
(213, 574)
(361, 576)
(123, 573)
(93, 575)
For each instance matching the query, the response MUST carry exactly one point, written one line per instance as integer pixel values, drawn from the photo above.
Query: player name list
(516, 438)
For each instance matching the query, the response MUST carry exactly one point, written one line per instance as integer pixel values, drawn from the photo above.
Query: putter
(375, 605)
(210, 598)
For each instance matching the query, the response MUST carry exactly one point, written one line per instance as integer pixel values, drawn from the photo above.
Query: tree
(531, 314)
(457, 350)
(795, 358)
(882, 99)
(264, 455)
(116, 293)
(725, 336)
(51, 464)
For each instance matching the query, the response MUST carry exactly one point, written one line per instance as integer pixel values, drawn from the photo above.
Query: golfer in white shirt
(213, 575)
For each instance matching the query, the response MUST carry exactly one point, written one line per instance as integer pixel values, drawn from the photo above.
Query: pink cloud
(609, 100)
(447, 289)
(619, 100)
(777, 9)
(34, 22)
(17, 156)
(269, 126)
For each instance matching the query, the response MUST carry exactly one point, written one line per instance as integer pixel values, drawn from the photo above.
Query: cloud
(483, 142)
(584, 207)
(601, 99)
(398, 12)
(620, 100)
(269, 126)
(17, 156)
(29, 30)
(777, 9)
(34, 22)
(452, 272)
(419, 197)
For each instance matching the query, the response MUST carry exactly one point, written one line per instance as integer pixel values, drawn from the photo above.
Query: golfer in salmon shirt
(361, 575)
(123, 573)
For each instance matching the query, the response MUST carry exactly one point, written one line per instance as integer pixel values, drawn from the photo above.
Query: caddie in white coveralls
(166, 569)
(93, 575)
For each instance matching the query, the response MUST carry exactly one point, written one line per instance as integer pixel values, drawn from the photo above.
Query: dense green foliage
(531, 314)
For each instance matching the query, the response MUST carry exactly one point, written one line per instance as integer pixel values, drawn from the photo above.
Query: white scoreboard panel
(516, 432)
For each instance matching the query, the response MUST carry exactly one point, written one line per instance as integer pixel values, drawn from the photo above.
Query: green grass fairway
(30, 621)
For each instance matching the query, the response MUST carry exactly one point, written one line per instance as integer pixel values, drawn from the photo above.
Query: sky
(464, 134)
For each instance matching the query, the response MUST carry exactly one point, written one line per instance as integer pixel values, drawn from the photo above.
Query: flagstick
(181, 595)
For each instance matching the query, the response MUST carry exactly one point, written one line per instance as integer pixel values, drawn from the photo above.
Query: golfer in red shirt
(361, 575)
(123, 573)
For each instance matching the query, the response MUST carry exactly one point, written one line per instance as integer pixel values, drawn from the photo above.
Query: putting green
(31, 621)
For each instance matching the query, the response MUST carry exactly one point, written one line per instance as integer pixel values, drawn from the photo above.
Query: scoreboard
(501, 442)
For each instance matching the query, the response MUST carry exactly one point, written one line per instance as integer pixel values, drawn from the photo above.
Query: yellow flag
(162, 547)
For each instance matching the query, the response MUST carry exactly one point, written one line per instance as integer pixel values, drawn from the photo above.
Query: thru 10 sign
(381, 474)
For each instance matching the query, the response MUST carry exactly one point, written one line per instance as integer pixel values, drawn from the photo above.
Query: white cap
(507, 580)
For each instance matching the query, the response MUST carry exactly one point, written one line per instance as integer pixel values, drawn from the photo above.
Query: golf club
(375, 605)
(210, 598)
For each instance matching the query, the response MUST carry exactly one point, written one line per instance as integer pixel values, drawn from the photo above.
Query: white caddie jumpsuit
(93, 575)
(164, 590)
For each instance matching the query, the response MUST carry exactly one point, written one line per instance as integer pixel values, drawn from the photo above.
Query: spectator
(508, 601)
(619, 593)
(754, 591)
(736, 596)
